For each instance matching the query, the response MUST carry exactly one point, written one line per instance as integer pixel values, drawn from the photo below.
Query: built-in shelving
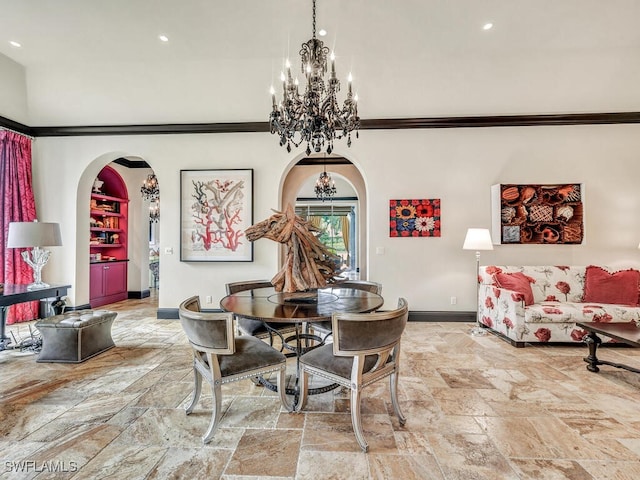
(108, 229)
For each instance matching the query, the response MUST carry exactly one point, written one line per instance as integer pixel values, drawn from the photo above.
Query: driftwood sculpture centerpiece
(308, 263)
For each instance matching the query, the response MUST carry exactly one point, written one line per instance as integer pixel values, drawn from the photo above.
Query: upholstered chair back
(207, 331)
(365, 285)
(235, 287)
(368, 333)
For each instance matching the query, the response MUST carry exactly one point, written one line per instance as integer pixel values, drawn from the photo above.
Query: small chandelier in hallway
(325, 186)
(314, 118)
(150, 189)
(154, 211)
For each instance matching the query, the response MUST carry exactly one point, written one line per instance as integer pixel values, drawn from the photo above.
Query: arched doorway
(133, 170)
(344, 216)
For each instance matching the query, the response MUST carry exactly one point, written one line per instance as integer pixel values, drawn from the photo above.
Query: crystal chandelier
(150, 189)
(325, 187)
(315, 117)
(154, 211)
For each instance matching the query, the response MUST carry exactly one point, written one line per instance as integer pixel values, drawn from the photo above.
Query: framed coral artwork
(216, 207)
(538, 213)
(414, 218)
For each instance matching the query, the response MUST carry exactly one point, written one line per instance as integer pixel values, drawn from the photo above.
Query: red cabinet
(108, 283)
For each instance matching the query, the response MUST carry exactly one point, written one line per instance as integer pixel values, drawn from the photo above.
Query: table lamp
(35, 234)
(477, 239)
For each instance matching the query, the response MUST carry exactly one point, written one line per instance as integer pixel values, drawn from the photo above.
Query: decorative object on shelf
(314, 118)
(535, 214)
(308, 264)
(35, 234)
(477, 239)
(325, 186)
(154, 211)
(150, 189)
(216, 208)
(414, 218)
(97, 185)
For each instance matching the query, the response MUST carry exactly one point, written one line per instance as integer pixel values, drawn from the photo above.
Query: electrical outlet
(208, 299)
(454, 300)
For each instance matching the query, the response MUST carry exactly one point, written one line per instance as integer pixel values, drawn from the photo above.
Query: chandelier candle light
(35, 234)
(325, 186)
(315, 117)
(477, 239)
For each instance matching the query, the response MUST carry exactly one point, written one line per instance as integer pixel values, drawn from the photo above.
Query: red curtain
(17, 204)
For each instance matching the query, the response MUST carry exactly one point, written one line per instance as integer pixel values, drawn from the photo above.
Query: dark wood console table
(13, 294)
(627, 333)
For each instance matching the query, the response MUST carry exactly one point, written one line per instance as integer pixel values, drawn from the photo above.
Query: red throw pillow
(619, 288)
(518, 282)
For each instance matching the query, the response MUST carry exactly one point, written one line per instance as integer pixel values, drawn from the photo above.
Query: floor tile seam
(79, 475)
(572, 459)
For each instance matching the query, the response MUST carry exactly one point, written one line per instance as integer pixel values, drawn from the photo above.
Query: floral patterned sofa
(542, 304)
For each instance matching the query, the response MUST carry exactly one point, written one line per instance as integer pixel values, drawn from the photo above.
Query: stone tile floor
(477, 408)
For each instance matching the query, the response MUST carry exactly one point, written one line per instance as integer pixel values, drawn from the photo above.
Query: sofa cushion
(619, 288)
(517, 282)
(570, 312)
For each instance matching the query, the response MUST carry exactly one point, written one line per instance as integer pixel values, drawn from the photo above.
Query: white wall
(13, 90)
(396, 85)
(456, 165)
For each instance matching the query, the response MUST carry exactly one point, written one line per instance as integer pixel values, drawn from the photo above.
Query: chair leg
(196, 390)
(393, 380)
(282, 389)
(356, 420)
(303, 385)
(215, 414)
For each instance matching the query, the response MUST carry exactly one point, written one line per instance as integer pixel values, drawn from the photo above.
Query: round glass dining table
(267, 305)
(314, 306)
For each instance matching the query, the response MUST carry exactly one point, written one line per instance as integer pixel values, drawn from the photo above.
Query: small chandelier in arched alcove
(150, 189)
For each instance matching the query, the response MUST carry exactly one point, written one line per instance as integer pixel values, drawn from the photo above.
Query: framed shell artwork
(538, 214)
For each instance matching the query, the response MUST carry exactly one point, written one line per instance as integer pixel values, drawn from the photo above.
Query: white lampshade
(478, 239)
(34, 234)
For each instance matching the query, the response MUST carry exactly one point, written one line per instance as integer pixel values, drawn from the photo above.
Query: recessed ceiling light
(487, 26)
(15, 44)
(163, 38)
(322, 32)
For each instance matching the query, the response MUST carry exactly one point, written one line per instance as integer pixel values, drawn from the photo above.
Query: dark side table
(13, 294)
(627, 333)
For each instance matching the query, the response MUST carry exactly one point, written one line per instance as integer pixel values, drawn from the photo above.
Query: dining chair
(365, 349)
(221, 358)
(258, 328)
(324, 328)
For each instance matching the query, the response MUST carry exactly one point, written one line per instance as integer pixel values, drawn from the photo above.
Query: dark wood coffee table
(628, 333)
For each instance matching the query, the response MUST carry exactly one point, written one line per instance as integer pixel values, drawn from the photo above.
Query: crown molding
(365, 124)
(15, 126)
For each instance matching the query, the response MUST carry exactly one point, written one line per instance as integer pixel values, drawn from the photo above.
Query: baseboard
(142, 294)
(167, 314)
(172, 314)
(442, 316)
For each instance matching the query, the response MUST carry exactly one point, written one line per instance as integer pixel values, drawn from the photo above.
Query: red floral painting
(414, 218)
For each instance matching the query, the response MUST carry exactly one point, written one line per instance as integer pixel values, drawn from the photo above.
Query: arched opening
(132, 170)
(343, 216)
